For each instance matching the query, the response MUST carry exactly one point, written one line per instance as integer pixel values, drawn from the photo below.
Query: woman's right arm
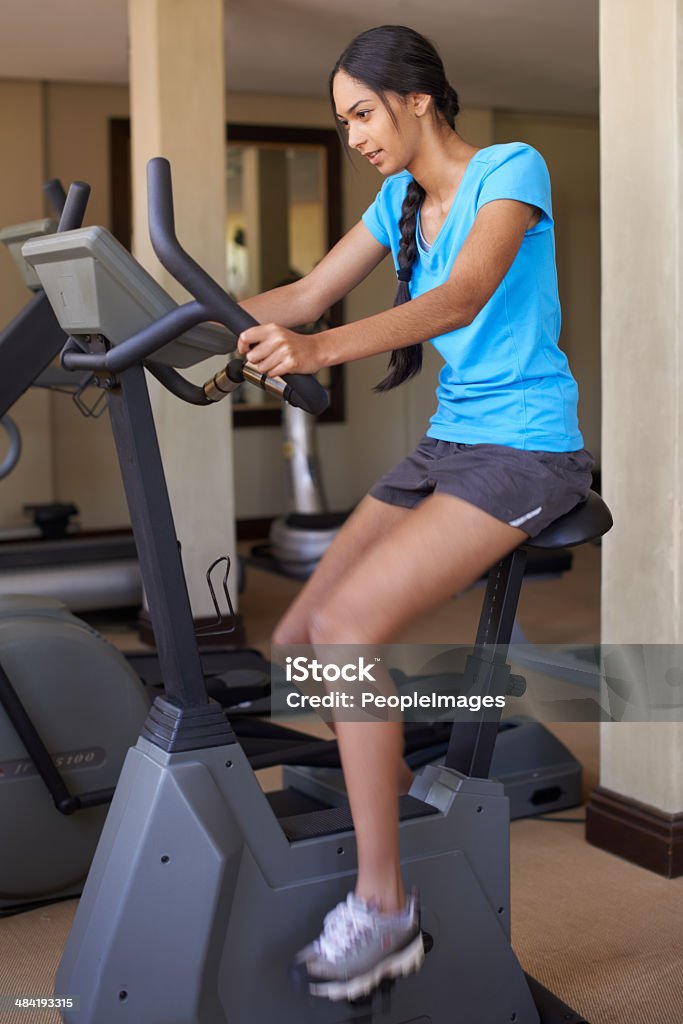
(303, 302)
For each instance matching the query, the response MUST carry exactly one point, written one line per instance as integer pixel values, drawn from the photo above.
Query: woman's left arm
(483, 261)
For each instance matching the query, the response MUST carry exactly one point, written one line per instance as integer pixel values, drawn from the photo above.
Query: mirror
(283, 188)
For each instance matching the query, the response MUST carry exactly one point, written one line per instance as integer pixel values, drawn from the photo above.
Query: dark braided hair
(393, 58)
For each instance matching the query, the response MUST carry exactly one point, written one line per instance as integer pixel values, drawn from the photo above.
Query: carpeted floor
(606, 936)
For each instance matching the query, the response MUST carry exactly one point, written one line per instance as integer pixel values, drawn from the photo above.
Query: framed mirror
(283, 188)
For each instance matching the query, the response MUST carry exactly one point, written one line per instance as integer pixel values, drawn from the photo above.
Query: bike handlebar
(210, 303)
(304, 390)
(73, 211)
(55, 195)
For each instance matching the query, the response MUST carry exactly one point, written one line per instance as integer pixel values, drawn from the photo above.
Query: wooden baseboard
(641, 834)
(235, 639)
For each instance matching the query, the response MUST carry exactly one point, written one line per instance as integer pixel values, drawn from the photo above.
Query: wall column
(177, 111)
(637, 811)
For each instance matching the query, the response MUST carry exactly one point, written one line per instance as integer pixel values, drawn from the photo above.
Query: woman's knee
(336, 624)
(291, 633)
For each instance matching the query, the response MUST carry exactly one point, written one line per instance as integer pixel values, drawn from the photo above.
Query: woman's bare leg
(440, 549)
(369, 522)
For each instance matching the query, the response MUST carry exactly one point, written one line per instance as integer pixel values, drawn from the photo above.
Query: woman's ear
(420, 103)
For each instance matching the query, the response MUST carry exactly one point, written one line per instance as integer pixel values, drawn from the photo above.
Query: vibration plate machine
(203, 887)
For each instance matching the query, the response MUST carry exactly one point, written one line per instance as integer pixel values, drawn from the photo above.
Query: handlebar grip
(300, 390)
(306, 393)
(74, 207)
(55, 195)
(161, 217)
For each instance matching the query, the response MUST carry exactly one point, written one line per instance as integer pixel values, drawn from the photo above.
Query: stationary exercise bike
(70, 703)
(203, 887)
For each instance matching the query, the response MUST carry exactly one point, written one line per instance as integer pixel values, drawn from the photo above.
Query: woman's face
(389, 146)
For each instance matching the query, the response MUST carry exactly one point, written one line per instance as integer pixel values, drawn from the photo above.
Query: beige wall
(77, 147)
(56, 131)
(21, 178)
(378, 430)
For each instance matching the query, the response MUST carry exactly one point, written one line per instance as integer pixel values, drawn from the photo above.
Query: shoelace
(343, 927)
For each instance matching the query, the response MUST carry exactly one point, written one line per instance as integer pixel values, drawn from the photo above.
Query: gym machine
(87, 571)
(203, 887)
(299, 539)
(70, 704)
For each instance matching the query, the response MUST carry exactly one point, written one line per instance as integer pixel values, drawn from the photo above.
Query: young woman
(471, 235)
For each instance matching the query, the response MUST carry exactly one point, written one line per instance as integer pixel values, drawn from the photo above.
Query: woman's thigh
(370, 521)
(443, 547)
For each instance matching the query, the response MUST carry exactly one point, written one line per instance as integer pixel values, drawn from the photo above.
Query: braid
(405, 362)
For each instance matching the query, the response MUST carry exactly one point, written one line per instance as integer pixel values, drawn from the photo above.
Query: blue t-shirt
(505, 380)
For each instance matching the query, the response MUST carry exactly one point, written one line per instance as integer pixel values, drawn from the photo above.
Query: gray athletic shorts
(527, 489)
